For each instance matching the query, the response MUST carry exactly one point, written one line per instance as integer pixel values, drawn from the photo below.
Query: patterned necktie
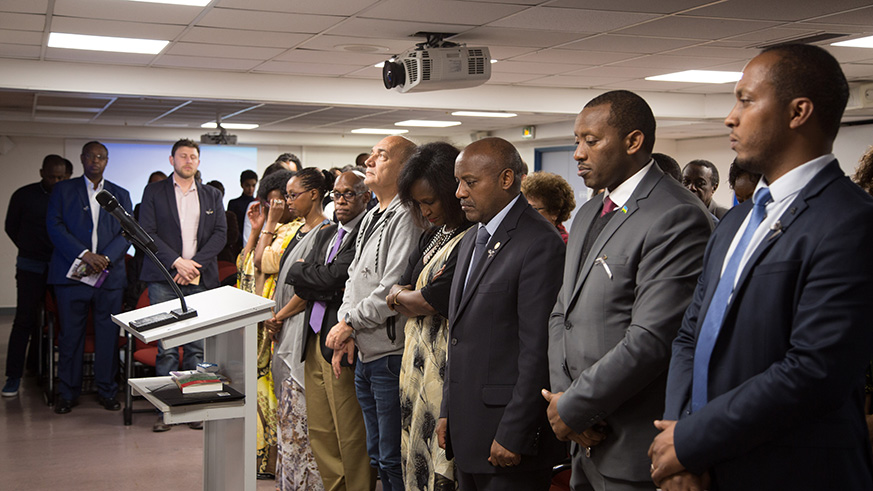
(608, 206)
(316, 318)
(718, 305)
(482, 238)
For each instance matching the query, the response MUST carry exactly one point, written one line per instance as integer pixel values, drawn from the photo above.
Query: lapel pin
(496, 246)
(209, 212)
(624, 209)
(776, 228)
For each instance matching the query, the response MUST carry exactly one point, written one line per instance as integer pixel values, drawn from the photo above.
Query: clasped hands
(95, 262)
(667, 472)
(186, 271)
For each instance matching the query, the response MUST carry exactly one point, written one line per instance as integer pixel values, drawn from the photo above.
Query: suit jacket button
(454, 341)
(568, 325)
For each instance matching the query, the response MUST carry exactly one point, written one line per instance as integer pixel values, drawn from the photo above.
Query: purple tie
(608, 206)
(317, 317)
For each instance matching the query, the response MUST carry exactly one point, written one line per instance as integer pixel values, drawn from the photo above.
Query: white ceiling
(305, 67)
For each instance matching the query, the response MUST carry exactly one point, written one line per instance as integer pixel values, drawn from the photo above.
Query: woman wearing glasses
(296, 467)
(427, 185)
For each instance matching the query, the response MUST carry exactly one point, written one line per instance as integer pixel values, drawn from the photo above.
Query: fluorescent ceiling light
(229, 126)
(484, 114)
(421, 123)
(378, 131)
(699, 76)
(194, 3)
(106, 43)
(866, 42)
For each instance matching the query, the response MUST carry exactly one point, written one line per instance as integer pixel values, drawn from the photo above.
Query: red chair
(227, 273)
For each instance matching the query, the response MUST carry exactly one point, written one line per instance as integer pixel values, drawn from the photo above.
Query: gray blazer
(617, 314)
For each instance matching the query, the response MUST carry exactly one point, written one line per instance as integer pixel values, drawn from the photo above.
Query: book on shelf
(193, 382)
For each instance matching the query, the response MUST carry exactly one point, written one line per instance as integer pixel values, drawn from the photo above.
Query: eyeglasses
(294, 196)
(348, 195)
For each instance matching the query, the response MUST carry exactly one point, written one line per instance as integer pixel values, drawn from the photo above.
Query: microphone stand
(161, 319)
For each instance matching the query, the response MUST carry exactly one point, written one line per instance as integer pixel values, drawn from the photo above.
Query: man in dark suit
(492, 419)
(79, 228)
(187, 221)
(334, 418)
(767, 375)
(633, 258)
(248, 180)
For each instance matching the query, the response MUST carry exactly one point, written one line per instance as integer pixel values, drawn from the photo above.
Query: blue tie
(718, 305)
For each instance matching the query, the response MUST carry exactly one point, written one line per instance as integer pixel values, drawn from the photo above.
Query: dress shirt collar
(89, 186)
(796, 179)
(495, 222)
(623, 191)
(179, 187)
(350, 226)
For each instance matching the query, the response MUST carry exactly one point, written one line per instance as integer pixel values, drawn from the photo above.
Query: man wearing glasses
(80, 229)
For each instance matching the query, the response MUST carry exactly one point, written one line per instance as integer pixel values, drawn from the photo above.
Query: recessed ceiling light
(484, 114)
(380, 64)
(106, 43)
(379, 131)
(421, 123)
(229, 126)
(866, 42)
(699, 76)
(493, 61)
(193, 3)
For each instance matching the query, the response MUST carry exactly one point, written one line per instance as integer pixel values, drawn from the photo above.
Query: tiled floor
(90, 448)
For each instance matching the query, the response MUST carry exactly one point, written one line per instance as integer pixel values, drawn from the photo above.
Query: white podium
(227, 320)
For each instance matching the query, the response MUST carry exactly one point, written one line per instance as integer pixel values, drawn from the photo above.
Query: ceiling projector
(437, 68)
(220, 138)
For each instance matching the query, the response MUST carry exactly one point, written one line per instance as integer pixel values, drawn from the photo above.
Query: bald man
(493, 419)
(385, 240)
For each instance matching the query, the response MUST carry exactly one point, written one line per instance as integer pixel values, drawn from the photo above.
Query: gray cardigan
(379, 262)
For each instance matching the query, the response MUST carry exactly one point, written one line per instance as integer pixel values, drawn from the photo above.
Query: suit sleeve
(311, 278)
(218, 236)
(830, 343)
(541, 265)
(66, 244)
(669, 264)
(148, 220)
(117, 247)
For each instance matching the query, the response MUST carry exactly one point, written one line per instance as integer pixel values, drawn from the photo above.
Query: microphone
(130, 226)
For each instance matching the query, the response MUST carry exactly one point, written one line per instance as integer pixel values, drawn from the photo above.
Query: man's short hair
(709, 165)
(290, 157)
(53, 160)
(68, 167)
(246, 175)
(184, 142)
(809, 71)
(669, 165)
(95, 142)
(628, 112)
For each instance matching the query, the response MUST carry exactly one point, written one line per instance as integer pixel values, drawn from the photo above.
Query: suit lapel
(170, 196)
(642, 191)
(465, 255)
(496, 244)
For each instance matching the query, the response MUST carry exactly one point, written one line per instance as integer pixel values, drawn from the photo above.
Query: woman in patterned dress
(427, 185)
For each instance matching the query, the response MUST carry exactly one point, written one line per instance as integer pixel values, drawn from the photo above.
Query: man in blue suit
(186, 220)
(79, 228)
(767, 374)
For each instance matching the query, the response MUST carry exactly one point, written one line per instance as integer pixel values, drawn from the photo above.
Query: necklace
(439, 239)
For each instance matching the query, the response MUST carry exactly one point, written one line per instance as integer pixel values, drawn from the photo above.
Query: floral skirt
(296, 468)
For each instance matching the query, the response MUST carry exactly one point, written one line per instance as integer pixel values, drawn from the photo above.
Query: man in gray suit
(632, 261)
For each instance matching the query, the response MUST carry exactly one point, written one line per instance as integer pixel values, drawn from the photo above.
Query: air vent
(412, 71)
(475, 52)
(476, 66)
(426, 69)
(815, 38)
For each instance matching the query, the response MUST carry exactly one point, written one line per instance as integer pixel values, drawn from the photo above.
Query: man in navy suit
(186, 220)
(767, 374)
(493, 419)
(79, 228)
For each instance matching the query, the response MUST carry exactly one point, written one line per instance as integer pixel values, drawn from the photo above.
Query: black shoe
(63, 406)
(109, 403)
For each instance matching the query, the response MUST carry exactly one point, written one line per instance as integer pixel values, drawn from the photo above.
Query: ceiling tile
(327, 42)
(127, 11)
(507, 52)
(659, 7)
(717, 52)
(322, 7)
(668, 62)
(709, 89)
(218, 51)
(60, 54)
(858, 71)
(375, 28)
(238, 37)
(861, 17)
(302, 68)
(268, 21)
(19, 51)
(22, 22)
(98, 27)
(512, 78)
(510, 2)
(696, 27)
(617, 71)
(444, 11)
(773, 35)
(784, 10)
(24, 6)
(573, 81)
(486, 36)
(571, 20)
(646, 85)
(574, 56)
(533, 68)
(849, 55)
(232, 64)
(20, 37)
(630, 44)
(331, 57)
